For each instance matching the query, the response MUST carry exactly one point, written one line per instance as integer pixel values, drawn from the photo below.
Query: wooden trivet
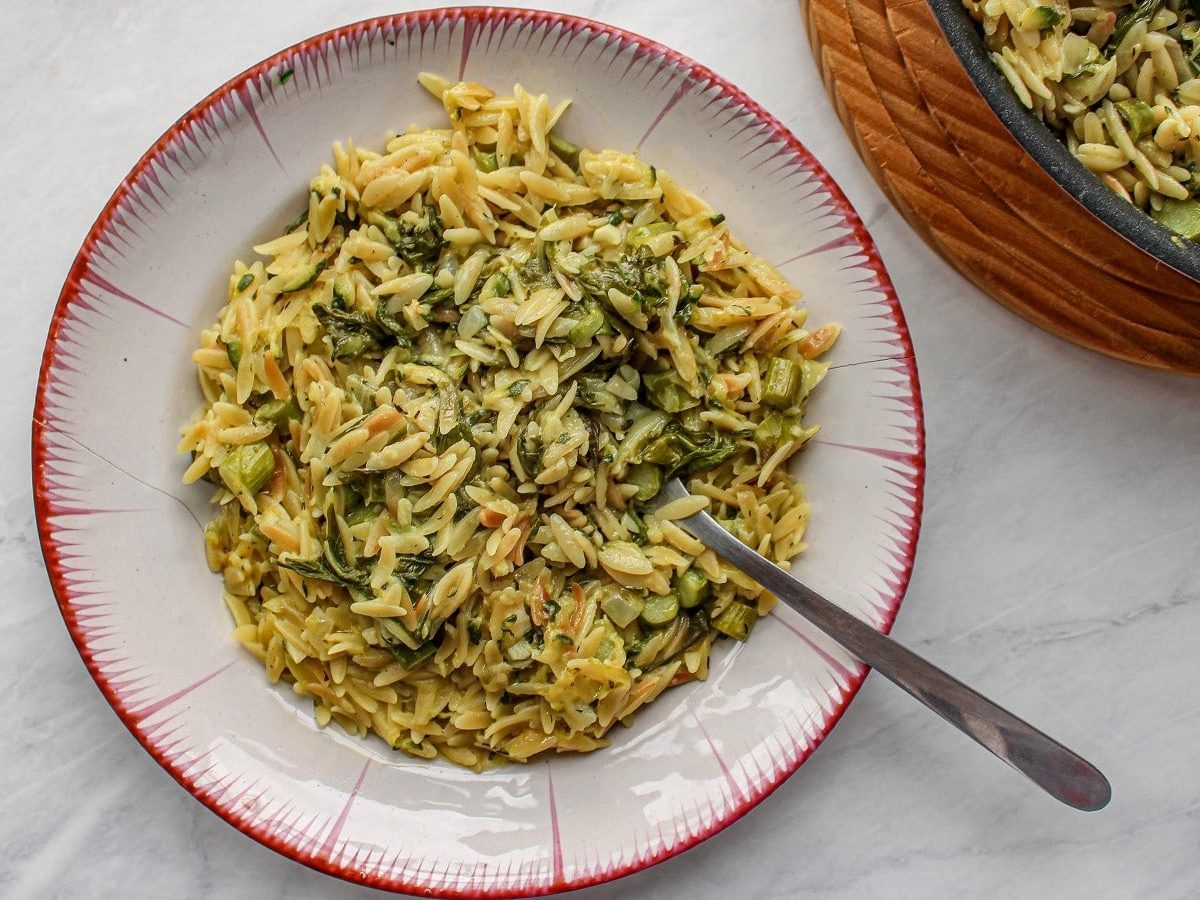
(977, 197)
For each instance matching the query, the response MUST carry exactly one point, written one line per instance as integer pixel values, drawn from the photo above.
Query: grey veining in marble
(1059, 569)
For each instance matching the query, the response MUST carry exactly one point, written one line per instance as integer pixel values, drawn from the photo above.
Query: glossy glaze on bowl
(122, 537)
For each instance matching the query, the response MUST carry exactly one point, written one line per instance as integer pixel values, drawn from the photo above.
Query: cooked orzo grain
(436, 410)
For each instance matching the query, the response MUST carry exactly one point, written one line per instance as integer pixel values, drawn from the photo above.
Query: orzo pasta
(437, 407)
(1119, 82)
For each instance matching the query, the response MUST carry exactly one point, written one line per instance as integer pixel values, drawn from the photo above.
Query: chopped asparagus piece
(782, 383)
(247, 468)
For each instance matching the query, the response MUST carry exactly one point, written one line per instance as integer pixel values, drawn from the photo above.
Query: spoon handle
(1063, 774)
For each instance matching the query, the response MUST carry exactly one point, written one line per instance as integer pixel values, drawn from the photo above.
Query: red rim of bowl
(472, 17)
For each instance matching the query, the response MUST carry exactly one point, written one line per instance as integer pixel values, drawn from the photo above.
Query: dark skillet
(1053, 156)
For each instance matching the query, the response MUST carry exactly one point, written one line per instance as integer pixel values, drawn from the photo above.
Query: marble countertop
(1057, 570)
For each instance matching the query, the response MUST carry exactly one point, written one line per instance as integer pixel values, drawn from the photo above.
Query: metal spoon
(1064, 775)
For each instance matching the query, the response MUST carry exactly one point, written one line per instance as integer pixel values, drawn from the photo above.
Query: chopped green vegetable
(501, 285)
(717, 219)
(771, 433)
(588, 327)
(244, 282)
(303, 278)
(593, 393)
(247, 468)
(1079, 55)
(411, 567)
(278, 413)
(639, 435)
(536, 273)
(233, 349)
(517, 387)
(410, 659)
(693, 588)
(698, 627)
(368, 512)
(622, 606)
(736, 620)
(529, 453)
(666, 391)
(647, 477)
(350, 333)
(1143, 12)
(485, 162)
(1138, 116)
(452, 426)
(646, 235)
(637, 276)
(297, 222)
(687, 302)
(421, 244)
(390, 323)
(680, 451)
(438, 296)
(319, 569)
(1181, 216)
(565, 150)
(286, 75)
(343, 293)
(1040, 18)
(660, 609)
(782, 383)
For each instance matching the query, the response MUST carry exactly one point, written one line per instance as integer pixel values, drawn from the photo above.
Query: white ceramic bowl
(121, 535)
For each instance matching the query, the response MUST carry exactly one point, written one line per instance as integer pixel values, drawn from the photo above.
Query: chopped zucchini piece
(588, 327)
(693, 588)
(1138, 116)
(736, 620)
(1040, 18)
(343, 293)
(660, 609)
(303, 277)
(565, 150)
(233, 350)
(1181, 216)
(648, 479)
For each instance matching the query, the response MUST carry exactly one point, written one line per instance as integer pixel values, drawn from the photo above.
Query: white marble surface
(1057, 570)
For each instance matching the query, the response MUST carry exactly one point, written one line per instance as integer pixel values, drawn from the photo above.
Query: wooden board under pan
(978, 197)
